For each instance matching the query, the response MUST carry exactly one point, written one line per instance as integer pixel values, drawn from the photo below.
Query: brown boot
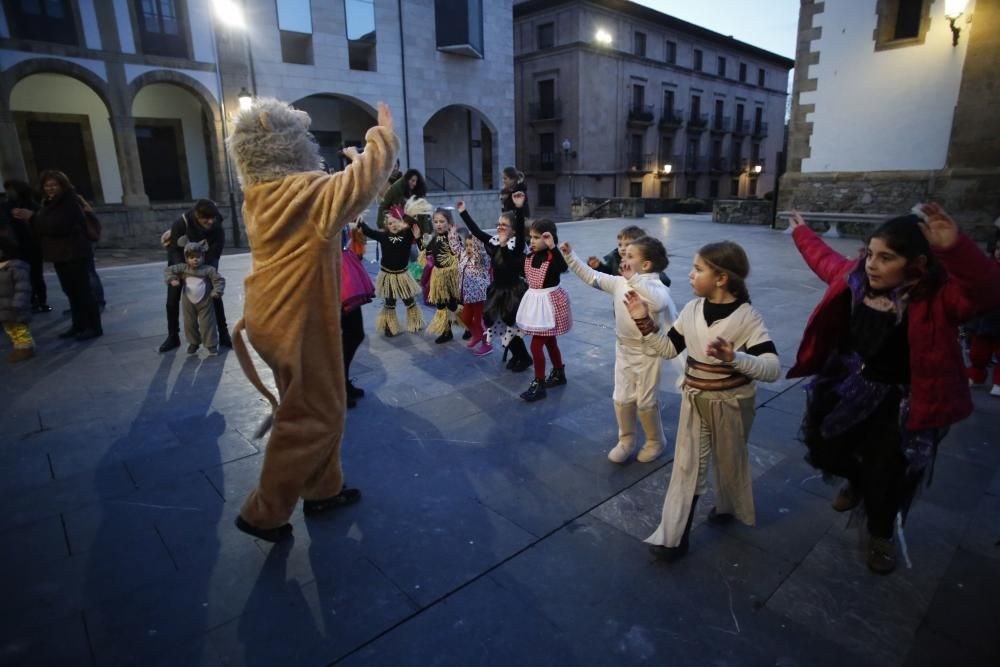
(847, 499)
(20, 354)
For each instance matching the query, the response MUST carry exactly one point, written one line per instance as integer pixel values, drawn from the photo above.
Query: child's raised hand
(637, 308)
(384, 116)
(940, 230)
(721, 349)
(415, 230)
(547, 239)
(175, 282)
(517, 198)
(626, 270)
(566, 247)
(460, 206)
(593, 262)
(796, 220)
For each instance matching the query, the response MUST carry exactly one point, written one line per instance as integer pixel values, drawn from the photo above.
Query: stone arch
(338, 120)
(212, 124)
(460, 160)
(14, 74)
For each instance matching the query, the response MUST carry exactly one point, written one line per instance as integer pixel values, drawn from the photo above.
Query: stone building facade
(646, 105)
(889, 109)
(124, 95)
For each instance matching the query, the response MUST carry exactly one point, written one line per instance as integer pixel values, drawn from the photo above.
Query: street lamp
(231, 14)
(758, 168)
(603, 36)
(245, 98)
(953, 10)
(667, 168)
(567, 148)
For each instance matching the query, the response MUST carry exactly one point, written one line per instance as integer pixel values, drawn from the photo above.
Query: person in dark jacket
(410, 185)
(513, 181)
(60, 226)
(21, 206)
(15, 295)
(202, 223)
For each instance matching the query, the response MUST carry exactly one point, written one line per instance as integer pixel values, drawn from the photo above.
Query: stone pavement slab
(491, 531)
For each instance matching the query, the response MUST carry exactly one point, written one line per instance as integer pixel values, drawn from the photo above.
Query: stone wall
(620, 207)
(743, 211)
(483, 205)
(140, 227)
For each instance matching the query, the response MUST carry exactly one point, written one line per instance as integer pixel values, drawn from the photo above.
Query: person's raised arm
(826, 263)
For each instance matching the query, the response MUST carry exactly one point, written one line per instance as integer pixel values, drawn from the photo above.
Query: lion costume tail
(243, 355)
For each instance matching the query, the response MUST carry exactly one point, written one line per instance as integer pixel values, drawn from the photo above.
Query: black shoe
(344, 498)
(89, 334)
(192, 349)
(511, 362)
(41, 308)
(354, 392)
(520, 365)
(536, 391)
(718, 518)
(556, 378)
(445, 337)
(670, 554)
(467, 335)
(278, 534)
(881, 555)
(69, 333)
(171, 343)
(224, 339)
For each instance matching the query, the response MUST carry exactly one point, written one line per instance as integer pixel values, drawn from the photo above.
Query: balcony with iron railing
(641, 114)
(640, 162)
(741, 128)
(671, 118)
(720, 124)
(545, 162)
(697, 122)
(760, 129)
(545, 111)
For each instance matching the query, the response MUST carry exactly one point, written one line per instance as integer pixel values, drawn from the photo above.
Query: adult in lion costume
(294, 213)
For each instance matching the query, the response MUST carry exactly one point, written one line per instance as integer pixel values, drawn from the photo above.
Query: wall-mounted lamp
(245, 98)
(953, 10)
(230, 13)
(568, 151)
(667, 168)
(603, 37)
(758, 168)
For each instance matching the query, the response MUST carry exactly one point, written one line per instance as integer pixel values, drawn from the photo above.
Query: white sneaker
(995, 391)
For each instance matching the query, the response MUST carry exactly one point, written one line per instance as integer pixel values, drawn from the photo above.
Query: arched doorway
(459, 150)
(63, 124)
(337, 122)
(172, 136)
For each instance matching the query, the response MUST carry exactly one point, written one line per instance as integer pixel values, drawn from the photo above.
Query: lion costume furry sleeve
(294, 213)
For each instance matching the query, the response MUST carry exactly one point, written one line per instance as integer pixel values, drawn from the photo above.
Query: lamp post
(230, 13)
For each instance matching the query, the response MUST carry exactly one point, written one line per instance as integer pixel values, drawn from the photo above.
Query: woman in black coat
(513, 181)
(60, 226)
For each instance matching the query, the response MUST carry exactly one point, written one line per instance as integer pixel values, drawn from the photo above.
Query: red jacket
(939, 390)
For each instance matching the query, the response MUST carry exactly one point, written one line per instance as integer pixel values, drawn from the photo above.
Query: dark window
(638, 96)
(636, 146)
(692, 187)
(758, 118)
(360, 15)
(296, 47)
(761, 77)
(546, 195)
(713, 188)
(295, 26)
(671, 52)
(717, 149)
(734, 187)
(736, 152)
(719, 110)
(697, 60)
(160, 26)
(666, 149)
(755, 152)
(160, 163)
(665, 189)
(42, 20)
(459, 27)
(692, 149)
(546, 35)
(743, 72)
(668, 101)
(635, 189)
(547, 98)
(908, 19)
(547, 151)
(639, 47)
(739, 116)
(752, 187)
(722, 66)
(695, 106)
(61, 145)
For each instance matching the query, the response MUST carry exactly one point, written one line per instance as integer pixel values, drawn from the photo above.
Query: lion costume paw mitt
(294, 213)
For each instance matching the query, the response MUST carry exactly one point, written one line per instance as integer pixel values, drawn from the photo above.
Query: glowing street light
(230, 13)
(603, 36)
(667, 168)
(758, 168)
(245, 98)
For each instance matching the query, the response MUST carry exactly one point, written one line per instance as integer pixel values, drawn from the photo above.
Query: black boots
(718, 518)
(556, 378)
(345, 497)
(520, 360)
(278, 534)
(671, 554)
(536, 391)
(172, 342)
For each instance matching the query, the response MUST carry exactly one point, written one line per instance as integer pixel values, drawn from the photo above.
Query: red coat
(939, 390)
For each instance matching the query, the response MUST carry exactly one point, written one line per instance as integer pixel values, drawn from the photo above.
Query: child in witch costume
(889, 375)
(394, 282)
(444, 247)
(294, 213)
(544, 311)
(728, 349)
(503, 296)
(637, 371)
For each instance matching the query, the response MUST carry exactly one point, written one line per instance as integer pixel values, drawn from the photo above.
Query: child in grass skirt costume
(445, 247)
(394, 282)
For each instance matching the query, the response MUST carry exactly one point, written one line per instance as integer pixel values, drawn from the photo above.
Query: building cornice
(49, 50)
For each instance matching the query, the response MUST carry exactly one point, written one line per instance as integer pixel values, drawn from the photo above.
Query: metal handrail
(432, 173)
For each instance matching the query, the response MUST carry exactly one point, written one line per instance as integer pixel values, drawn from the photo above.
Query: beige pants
(637, 376)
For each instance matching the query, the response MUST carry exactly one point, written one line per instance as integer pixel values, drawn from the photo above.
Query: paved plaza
(492, 532)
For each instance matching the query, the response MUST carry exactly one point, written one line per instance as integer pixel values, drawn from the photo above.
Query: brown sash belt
(731, 379)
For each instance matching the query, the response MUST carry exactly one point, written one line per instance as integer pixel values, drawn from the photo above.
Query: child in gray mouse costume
(201, 284)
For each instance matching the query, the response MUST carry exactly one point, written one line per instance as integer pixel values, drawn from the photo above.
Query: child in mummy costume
(637, 369)
(394, 283)
(728, 349)
(294, 213)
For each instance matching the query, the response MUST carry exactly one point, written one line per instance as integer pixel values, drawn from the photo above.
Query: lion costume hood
(294, 214)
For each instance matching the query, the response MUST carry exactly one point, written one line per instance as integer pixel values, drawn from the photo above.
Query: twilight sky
(769, 24)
